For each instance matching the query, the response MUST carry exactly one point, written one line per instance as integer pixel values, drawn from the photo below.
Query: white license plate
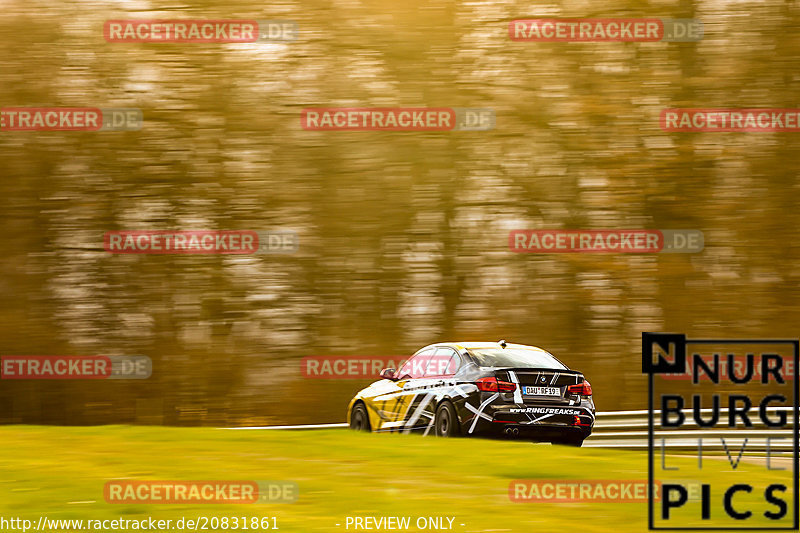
(541, 391)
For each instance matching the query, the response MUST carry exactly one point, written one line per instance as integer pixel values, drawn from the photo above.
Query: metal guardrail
(629, 429)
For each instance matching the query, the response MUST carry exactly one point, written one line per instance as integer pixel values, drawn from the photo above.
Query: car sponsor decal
(517, 391)
(418, 412)
(547, 410)
(479, 412)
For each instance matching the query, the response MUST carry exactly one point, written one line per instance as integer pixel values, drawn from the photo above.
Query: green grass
(60, 472)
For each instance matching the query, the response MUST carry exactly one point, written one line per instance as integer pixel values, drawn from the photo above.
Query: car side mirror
(388, 373)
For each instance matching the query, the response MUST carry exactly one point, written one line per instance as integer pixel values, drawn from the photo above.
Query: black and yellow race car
(479, 388)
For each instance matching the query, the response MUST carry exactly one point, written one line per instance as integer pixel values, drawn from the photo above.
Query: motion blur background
(403, 236)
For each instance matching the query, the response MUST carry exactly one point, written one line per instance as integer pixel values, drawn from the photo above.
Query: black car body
(478, 388)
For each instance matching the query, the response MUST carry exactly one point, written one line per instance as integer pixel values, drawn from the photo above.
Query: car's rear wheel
(359, 420)
(446, 421)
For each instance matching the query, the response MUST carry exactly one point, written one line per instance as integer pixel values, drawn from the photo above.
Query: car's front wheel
(359, 420)
(446, 421)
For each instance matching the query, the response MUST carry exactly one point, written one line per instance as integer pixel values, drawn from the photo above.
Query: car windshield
(515, 358)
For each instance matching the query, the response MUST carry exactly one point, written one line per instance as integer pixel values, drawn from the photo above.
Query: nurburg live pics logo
(710, 421)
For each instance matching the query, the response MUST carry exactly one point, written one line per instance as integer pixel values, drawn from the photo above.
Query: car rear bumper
(543, 433)
(532, 421)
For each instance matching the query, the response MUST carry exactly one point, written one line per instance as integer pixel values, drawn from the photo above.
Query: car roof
(461, 346)
(476, 345)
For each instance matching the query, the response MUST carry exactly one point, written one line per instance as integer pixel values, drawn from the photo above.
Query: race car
(479, 388)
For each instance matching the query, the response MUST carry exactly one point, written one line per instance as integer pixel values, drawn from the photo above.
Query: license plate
(541, 391)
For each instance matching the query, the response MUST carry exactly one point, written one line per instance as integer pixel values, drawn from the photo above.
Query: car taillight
(504, 386)
(583, 389)
(492, 385)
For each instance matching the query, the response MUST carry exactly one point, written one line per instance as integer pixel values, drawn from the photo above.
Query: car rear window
(515, 358)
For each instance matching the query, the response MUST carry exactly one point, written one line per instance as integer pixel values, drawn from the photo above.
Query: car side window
(416, 365)
(444, 363)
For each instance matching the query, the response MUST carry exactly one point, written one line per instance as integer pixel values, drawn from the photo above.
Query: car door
(430, 378)
(431, 388)
(397, 407)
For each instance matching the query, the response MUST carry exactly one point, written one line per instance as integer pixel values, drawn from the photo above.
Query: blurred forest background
(403, 236)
